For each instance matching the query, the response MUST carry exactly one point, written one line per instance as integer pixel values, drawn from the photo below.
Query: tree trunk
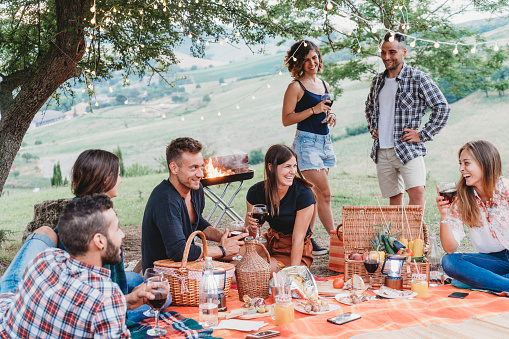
(55, 68)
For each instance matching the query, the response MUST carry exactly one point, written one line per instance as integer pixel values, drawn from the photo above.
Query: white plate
(331, 308)
(342, 298)
(408, 295)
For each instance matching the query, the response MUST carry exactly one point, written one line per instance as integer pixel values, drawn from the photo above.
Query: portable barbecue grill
(227, 170)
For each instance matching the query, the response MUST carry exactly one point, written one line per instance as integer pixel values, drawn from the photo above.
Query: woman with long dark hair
(303, 105)
(482, 204)
(291, 205)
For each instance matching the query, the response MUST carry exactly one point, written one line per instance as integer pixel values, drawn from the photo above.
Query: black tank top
(312, 124)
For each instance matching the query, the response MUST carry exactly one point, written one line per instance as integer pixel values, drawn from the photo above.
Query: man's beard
(113, 254)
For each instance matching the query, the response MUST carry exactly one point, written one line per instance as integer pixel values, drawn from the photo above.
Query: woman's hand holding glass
(443, 205)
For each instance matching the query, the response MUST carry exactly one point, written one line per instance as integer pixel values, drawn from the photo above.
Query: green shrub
(256, 157)
(137, 170)
(38, 142)
(56, 180)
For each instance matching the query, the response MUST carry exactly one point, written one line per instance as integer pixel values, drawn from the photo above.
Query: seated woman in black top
(291, 205)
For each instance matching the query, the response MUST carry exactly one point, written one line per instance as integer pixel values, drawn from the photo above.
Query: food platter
(331, 308)
(403, 295)
(346, 299)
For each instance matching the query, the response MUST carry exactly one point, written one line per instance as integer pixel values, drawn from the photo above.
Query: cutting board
(325, 288)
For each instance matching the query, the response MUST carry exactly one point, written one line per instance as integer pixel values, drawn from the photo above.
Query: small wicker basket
(184, 277)
(358, 224)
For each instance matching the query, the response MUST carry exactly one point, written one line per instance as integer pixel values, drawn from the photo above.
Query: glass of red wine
(330, 97)
(160, 288)
(234, 226)
(149, 273)
(371, 262)
(260, 213)
(448, 191)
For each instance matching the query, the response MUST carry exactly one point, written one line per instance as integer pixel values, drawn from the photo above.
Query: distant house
(77, 110)
(46, 117)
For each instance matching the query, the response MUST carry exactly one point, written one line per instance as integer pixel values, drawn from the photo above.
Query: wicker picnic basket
(184, 277)
(358, 224)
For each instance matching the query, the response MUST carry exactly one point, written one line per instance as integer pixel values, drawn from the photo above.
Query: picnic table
(433, 317)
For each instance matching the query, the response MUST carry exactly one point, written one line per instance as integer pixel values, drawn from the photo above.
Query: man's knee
(48, 231)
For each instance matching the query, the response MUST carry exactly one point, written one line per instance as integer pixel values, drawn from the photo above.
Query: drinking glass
(149, 273)
(371, 263)
(330, 97)
(234, 225)
(448, 191)
(159, 287)
(260, 212)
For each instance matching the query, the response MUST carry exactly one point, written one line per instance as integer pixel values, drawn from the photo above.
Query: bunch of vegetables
(384, 240)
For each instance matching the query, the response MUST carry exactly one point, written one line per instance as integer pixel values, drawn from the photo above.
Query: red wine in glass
(448, 194)
(261, 217)
(330, 103)
(159, 301)
(371, 265)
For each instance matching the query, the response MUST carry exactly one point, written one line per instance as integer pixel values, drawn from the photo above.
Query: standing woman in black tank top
(303, 106)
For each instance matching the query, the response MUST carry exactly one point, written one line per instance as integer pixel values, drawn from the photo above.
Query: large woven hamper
(184, 277)
(358, 228)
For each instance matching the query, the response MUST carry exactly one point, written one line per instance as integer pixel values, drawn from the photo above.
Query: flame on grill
(209, 171)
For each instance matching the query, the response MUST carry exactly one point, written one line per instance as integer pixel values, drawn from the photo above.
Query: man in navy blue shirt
(174, 211)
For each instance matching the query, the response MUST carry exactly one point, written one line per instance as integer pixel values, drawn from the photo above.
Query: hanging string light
(455, 51)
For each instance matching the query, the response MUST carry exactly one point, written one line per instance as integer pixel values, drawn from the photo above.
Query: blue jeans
(488, 271)
(35, 244)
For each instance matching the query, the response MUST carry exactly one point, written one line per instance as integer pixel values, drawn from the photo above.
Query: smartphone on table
(344, 318)
(263, 335)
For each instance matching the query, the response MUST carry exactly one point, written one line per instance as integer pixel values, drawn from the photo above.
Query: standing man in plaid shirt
(396, 104)
(69, 294)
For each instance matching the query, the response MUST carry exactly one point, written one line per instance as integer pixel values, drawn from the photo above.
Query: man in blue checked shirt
(69, 294)
(395, 106)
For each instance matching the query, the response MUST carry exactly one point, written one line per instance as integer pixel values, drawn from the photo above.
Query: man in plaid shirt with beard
(70, 295)
(395, 106)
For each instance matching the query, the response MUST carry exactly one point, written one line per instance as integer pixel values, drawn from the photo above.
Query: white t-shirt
(387, 106)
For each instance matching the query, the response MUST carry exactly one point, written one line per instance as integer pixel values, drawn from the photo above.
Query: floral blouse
(493, 235)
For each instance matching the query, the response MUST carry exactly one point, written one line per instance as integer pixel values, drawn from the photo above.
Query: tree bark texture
(50, 72)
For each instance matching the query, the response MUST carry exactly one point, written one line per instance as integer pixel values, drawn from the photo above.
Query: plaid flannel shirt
(60, 297)
(416, 92)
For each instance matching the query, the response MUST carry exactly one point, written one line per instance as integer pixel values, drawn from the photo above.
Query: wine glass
(371, 262)
(448, 191)
(160, 288)
(260, 212)
(330, 97)
(234, 225)
(149, 273)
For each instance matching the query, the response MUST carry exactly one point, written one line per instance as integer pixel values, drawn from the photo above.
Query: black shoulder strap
(323, 82)
(301, 85)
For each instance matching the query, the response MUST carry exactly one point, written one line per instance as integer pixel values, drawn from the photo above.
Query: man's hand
(410, 135)
(232, 244)
(374, 135)
(139, 296)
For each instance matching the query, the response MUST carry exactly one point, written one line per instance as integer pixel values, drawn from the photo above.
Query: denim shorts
(314, 151)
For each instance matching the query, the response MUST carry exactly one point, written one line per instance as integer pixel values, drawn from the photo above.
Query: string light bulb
(373, 30)
(90, 86)
(83, 90)
(305, 44)
(294, 59)
(253, 97)
(92, 9)
(496, 48)
(437, 44)
(237, 33)
(190, 35)
(92, 21)
(155, 6)
(219, 113)
(96, 104)
(220, 42)
(135, 64)
(202, 118)
(412, 44)
(111, 89)
(126, 101)
(379, 50)
(141, 27)
(455, 51)
(207, 43)
(268, 85)
(143, 110)
(237, 107)
(142, 45)
(198, 41)
(391, 38)
(280, 73)
(473, 50)
(93, 72)
(251, 23)
(329, 5)
(182, 119)
(226, 39)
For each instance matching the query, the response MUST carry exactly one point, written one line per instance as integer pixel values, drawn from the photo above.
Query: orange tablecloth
(377, 315)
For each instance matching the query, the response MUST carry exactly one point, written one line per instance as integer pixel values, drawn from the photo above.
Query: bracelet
(312, 110)
(222, 250)
(444, 221)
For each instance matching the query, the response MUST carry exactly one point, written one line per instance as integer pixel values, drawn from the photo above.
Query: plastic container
(208, 296)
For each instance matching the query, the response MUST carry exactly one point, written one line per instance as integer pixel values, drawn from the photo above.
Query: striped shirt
(416, 92)
(60, 297)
